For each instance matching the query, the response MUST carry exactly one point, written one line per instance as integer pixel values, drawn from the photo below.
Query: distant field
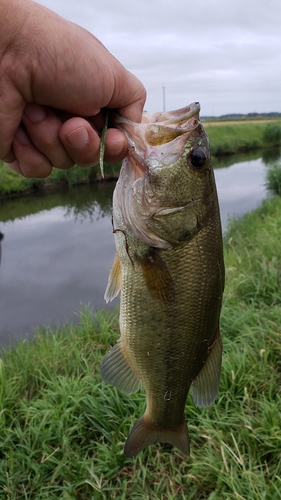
(242, 135)
(238, 122)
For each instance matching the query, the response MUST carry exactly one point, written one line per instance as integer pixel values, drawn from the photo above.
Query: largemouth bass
(169, 268)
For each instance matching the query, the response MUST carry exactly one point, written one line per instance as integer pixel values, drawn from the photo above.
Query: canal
(58, 248)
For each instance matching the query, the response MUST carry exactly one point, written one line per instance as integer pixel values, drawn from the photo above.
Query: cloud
(225, 54)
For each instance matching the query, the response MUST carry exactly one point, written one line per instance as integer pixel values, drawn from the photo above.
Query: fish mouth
(155, 134)
(170, 117)
(176, 118)
(179, 119)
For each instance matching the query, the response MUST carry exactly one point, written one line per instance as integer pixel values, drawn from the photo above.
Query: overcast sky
(226, 54)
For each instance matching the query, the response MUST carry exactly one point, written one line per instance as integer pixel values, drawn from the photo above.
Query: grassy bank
(242, 137)
(225, 139)
(273, 178)
(63, 429)
(11, 182)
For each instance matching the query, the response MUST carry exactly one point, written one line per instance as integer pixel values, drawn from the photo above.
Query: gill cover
(163, 177)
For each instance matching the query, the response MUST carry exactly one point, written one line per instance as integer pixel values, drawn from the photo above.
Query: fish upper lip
(164, 126)
(194, 108)
(156, 129)
(161, 118)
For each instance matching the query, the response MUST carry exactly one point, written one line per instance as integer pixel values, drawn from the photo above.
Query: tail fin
(144, 434)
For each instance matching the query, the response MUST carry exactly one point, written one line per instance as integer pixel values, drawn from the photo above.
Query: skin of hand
(56, 78)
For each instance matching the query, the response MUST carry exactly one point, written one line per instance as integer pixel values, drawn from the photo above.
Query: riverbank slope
(63, 429)
(225, 139)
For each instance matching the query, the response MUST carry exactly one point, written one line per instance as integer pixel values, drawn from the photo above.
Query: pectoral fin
(205, 386)
(114, 281)
(117, 371)
(157, 277)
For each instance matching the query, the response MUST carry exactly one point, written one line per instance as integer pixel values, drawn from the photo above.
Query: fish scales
(163, 328)
(170, 270)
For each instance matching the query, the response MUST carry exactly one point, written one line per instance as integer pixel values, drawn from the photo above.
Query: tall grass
(11, 182)
(273, 178)
(238, 138)
(63, 429)
(272, 134)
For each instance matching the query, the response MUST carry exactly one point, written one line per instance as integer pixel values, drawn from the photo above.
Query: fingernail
(78, 138)
(22, 137)
(34, 112)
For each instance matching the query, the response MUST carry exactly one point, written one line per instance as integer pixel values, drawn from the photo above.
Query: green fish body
(170, 271)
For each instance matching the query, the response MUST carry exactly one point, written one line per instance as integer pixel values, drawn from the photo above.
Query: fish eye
(198, 158)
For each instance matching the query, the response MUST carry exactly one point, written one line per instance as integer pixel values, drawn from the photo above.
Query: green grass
(12, 182)
(63, 429)
(238, 138)
(273, 178)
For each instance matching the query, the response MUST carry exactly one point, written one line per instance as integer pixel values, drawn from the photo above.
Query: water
(58, 248)
(241, 188)
(55, 259)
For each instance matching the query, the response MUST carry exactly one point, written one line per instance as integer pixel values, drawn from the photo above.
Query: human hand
(56, 78)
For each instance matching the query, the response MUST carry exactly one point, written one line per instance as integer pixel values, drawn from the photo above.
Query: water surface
(58, 248)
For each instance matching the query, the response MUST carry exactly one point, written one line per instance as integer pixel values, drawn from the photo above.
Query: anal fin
(114, 281)
(205, 386)
(116, 370)
(144, 434)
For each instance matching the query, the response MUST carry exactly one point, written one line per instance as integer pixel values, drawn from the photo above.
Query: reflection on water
(55, 259)
(82, 200)
(267, 156)
(58, 248)
(240, 188)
